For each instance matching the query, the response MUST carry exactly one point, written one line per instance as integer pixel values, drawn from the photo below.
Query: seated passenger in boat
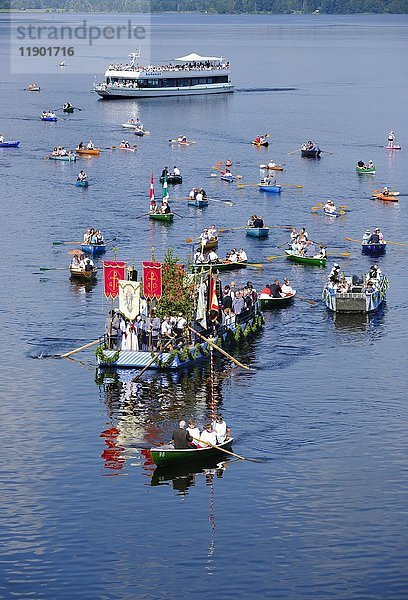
(212, 257)
(232, 256)
(89, 264)
(293, 235)
(258, 222)
(361, 164)
(193, 193)
(266, 291)
(303, 235)
(227, 173)
(370, 164)
(194, 431)
(228, 162)
(276, 289)
(343, 286)
(242, 255)
(166, 330)
(181, 138)
(220, 428)
(82, 176)
(75, 262)
(251, 221)
(80, 145)
(181, 437)
(366, 236)
(374, 238)
(165, 207)
(286, 288)
(262, 139)
(212, 231)
(165, 172)
(374, 272)
(203, 238)
(322, 252)
(90, 145)
(386, 191)
(99, 237)
(199, 257)
(176, 171)
(257, 140)
(208, 435)
(309, 145)
(330, 207)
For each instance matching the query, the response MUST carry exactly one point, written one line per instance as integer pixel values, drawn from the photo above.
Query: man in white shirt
(176, 170)
(208, 435)
(166, 330)
(220, 428)
(242, 256)
(286, 288)
(193, 430)
(212, 257)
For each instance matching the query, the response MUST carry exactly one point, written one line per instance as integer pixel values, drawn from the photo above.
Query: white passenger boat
(187, 75)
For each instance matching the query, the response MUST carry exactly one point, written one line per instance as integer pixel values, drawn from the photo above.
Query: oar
(311, 302)
(346, 254)
(181, 216)
(53, 268)
(144, 215)
(59, 243)
(294, 151)
(224, 229)
(275, 257)
(78, 349)
(256, 265)
(234, 360)
(221, 449)
(149, 364)
(76, 108)
(388, 242)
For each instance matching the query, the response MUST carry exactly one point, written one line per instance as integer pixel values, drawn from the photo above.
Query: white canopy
(197, 58)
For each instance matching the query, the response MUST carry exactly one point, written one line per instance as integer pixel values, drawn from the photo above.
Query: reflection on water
(363, 322)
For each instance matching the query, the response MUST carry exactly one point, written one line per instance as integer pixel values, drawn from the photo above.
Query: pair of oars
(349, 239)
(294, 185)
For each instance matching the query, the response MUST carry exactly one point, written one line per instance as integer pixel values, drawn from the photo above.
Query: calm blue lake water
(324, 515)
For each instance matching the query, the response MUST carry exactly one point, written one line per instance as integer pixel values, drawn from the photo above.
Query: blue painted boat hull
(373, 249)
(71, 158)
(9, 144)
(51, 119)
(93, 249)
(83, 184)
(226, 178)
(271, 189)
(259, 232)
(198, 203)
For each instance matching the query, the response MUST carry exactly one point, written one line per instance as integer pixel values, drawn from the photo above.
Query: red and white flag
(212, 294)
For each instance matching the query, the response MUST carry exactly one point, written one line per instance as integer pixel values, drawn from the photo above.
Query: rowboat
(139, 132)
(69, 110)
(33, 87)
(305, 260)
(93, 249)
(197, 203)
(209, 244)
(271, 167)
(171, 178)
(187, 143)
(164, 217)
(374, 249)
(229, 178)
(333, 214)
(271, 303)
(314, 152)
(358, 299)
(9, 144)
(271, 189)
(83, 275)
(84, 183)
(66, 157)
(52, 119)
(88, 151)
(394, 147)
(259, 232)
(259, 144)
(222, 265)
(128, 148)
(164, 456)
(366, 170)
(132, 125)
(389, 198)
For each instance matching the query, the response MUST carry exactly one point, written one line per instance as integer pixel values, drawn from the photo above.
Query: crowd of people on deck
(277, 290)
(301, 245)
(341, 284)
(236, 303)
(146, 333)
(255, 221)
(214, 432)
(61, 151)
(376, 237)
(93, 236)
(189, 66)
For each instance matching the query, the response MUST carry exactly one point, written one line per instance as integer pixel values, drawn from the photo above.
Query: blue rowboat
(52, 119)
(83, 184)
(9, 144)
(67, 158)
(259, 232)
(197, 203)
(271, 189)
(93, 249)
(229, 178)
(374, 249)
(314, 152)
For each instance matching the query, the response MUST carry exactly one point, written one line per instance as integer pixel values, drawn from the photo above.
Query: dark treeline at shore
(215, 6)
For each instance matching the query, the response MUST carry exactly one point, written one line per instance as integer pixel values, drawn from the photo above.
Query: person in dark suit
(181, 438)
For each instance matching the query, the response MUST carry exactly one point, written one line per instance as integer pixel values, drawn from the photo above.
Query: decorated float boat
(188, 75)
(259, 232)
(305, 260)
(167, 455)
(358, 299)
(271, 303)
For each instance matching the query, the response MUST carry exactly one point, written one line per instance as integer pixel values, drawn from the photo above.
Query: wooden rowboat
(197, 203)
(93, 249)
(390, 198)
(209, 244)
(66, 157)
(271, 167)
(305, 260)
(271, 189)
(272, 303)
(171, 178)
(374, 249)
(69, 110)
(223, 265)
(259, 232)
(367, 170)
(163, 217)
(9, 144)
(88, 151)
(81, 274)
(167, 455)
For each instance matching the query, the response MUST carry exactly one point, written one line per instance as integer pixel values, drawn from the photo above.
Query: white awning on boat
(197, 58)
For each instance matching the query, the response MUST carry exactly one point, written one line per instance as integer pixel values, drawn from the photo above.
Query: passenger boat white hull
(122, 92)
(356, 301)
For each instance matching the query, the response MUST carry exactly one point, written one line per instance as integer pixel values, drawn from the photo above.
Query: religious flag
(152, 200)
(129, 299)
(113, 272)
(212, 294)
(165, 191)
(201, 314)
(152, 280)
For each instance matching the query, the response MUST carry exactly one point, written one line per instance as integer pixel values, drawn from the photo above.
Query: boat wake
(264, 89)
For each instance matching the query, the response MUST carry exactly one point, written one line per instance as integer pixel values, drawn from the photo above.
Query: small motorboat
(66, 157)
(271, 167)
(271, 189)
(172, 178)
(10, 144)
(33, 87)
(83, 183)
(305, 260)
(88, 151)
(139, 132)
(272, 303)
(259, 232)
(129, 125)
(49, 117)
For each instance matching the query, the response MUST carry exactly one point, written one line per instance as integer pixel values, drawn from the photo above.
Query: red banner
(212, 294)
(152, 280)
(113, 272)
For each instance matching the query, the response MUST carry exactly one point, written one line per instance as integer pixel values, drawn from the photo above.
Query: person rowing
(361, 165)
(182, 139)
(124, 144)
(228, 163)
(199, 258)
(276, 289)
(269, 180)
(67, 106)
(90, 145)
(376, 237)
(212, 231)
(286, 288)
(386, 191)
(322, 252)
(82, 176)
(212, 257)
(330, 207)
(176, 171)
